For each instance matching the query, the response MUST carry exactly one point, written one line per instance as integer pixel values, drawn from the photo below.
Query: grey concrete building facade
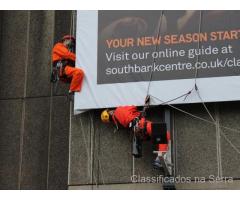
(34, 120)
(43, 147)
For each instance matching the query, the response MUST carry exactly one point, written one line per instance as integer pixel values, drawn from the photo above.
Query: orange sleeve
(63, 52)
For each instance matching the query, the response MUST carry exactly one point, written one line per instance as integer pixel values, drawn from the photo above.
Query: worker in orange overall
(63, 59)
(129, 117)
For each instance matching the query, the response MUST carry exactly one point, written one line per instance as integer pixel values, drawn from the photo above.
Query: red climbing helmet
(69, 37)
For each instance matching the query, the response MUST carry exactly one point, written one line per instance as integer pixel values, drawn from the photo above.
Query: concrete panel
(39, 53)
(82, 187)
(195, 143)
(59, 147)
(62, 27)
(210, 185)
(232, 185)
(81, 156)
(143, 166)
(62, 19)
(1, 27)
(113, 154)
(10, 126)
(35, 144)
(98, 155)
(127, 186)
(13, 53)
(230, 117)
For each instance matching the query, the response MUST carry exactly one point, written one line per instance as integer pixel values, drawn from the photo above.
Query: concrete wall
(34, 121)
(155, 186)
(34, 124)
(101, 159)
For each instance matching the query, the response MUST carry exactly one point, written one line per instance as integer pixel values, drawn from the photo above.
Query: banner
(129, 54)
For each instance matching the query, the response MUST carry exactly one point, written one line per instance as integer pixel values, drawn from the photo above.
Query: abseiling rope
(156, 48)
(185, 95)
(196, 71)
(198, 93)
(88, 148)
(217, 122)
(199, 31)
(70, 117)
(205, 120)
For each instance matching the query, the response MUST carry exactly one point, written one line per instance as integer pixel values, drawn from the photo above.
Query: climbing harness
(57, 71)
(137, 139)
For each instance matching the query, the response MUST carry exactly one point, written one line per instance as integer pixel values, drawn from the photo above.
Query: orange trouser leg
(148, 125)
(161, 147)
(77, 78)
(164, 147)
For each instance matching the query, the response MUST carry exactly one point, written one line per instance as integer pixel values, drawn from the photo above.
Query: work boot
(157, 164)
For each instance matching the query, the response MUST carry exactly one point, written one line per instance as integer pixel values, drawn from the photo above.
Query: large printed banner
(129, 54)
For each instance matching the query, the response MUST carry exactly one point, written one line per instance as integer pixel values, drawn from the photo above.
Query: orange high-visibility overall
(124, 115)
(61, 52)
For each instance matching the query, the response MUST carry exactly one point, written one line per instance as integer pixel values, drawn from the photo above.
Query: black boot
(157, 164)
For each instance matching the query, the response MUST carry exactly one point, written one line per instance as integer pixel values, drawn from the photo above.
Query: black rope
(156, 48)
(213, 121)
(183, 95)
(199, 31)
(196, 72)
(195, 116)
(154, 61)
(207, 121)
